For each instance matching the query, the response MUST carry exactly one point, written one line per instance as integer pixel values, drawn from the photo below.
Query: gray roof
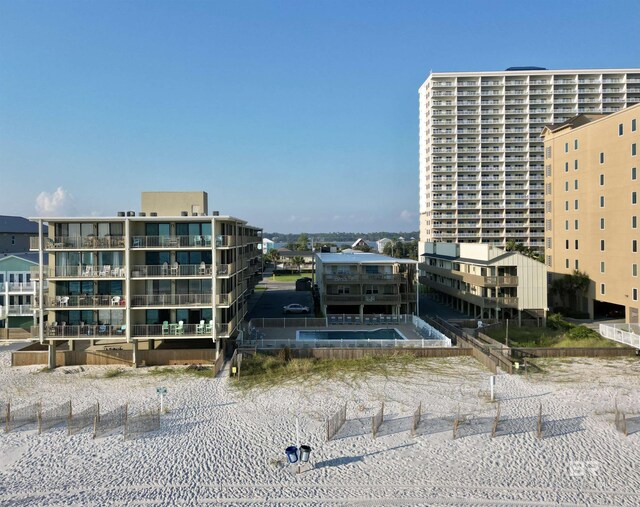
(361, 258)
(18, 225)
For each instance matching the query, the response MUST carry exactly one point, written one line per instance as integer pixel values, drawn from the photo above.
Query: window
(566, 167)
(634, 294)
(602, 288)
(634, 150)
(566, 263)
(566, 225)
(634, 222)
(602, 224)
(548, 225)
(634, 198)
(576, 264)
(602, 157)
(575, 144)
(548, 242)
(634, 270)
(620, 129)
(601, 179)
(576, 243)
(602, 245)
(575, 184)
(549, 170)
(548, 188)
(602, 201)
(575, 165)
(566, 147)
(548, 206)
(548, 152)
(576, 223)
(634, 173)
(566, 186)
(13, 240)
(549, 260)
(566, 205)
(633, 125)
(601, 266)
(634, 245)
(575, 204)
(566, 244)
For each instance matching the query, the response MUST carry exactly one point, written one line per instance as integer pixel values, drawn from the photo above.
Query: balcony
(196, 241)
(171, 270)
(19, 311)
(105, 271)
(18, 287)
(79, 243)
(332, 299)
(363, 278)
(169, 300)
(85, 301)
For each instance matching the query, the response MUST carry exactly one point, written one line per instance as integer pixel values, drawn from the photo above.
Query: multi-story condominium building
(17, 290)
(366, 283)
(15, 234)
(481, 155)
(171, 273)
(592, 180)
(485, 281)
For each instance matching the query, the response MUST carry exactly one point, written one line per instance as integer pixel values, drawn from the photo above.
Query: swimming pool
(343, 334)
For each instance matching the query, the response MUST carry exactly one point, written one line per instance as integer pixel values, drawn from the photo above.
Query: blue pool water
(375, 334)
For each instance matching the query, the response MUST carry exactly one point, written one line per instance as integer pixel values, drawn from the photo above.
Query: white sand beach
(221, 446)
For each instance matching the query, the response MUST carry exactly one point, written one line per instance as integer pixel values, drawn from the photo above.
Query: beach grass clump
(114, 372)
(192, 370)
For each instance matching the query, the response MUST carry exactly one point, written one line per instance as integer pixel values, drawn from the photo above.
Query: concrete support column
(361, 313)
(134, 348)
(217, 349)
(71, 344)
(51, 356)
(152, 344)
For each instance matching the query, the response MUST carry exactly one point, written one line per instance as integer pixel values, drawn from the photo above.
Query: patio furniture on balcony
(165, 269)
(115, 301)
(165, 328)
(208, 328)
(62, 300)
(180, 328)
(200, 327)
(175, 268)
(88, 271)
(102, 329)
(203, 268)
(105, 270)
(122, 330)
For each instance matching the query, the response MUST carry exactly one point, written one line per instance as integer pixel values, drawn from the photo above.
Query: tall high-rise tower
(481, 155)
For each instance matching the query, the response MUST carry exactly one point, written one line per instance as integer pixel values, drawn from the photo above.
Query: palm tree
(297, 261)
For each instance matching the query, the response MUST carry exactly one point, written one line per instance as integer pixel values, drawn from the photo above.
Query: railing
(84, 301)
(357, 277)
(194, 241)
(363, 298)
(264, 344)
(629, 334)
(19, 310)
(80, 272)
(171, 300)
(79, 242)
(83, 332)
(169, 270)
(18, 287)
(3, 312)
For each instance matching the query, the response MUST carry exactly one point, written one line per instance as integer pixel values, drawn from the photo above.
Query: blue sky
(296, 115)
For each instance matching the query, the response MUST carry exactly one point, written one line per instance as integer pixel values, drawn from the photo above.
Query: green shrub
(555, 321)
(582, 333)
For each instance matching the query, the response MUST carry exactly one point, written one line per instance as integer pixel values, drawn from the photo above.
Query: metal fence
(335, 422)
(54, 416)
(265, 344)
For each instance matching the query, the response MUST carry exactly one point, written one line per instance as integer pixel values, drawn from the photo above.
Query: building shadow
(561, 427)
(433, 425)
(516, 425)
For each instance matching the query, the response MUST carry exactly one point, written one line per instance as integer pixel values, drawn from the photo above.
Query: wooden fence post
(496, 421)
(8, 417)
(540, 421)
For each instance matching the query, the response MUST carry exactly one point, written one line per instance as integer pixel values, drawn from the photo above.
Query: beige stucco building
(592, 192)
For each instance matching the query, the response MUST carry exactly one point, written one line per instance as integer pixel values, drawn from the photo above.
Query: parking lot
(270, 303)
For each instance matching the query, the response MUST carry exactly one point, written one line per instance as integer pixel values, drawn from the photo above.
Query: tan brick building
(592, 193)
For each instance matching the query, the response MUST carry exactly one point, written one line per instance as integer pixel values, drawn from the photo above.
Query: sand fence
(36, 416)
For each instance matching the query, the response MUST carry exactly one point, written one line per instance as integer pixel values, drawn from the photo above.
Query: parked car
(295, 308)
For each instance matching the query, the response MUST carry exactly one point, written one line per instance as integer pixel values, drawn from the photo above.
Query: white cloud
(407, 215)
(57, 203)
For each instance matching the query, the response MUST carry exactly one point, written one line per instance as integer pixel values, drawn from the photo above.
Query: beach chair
(180, 328)
(122, 330)
(115, 301)
(200, 327)
(165, 328)
(208, 328)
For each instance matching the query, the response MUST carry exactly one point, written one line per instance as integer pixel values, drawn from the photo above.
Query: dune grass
(199, 371)
(545, 337)
(263, 370)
